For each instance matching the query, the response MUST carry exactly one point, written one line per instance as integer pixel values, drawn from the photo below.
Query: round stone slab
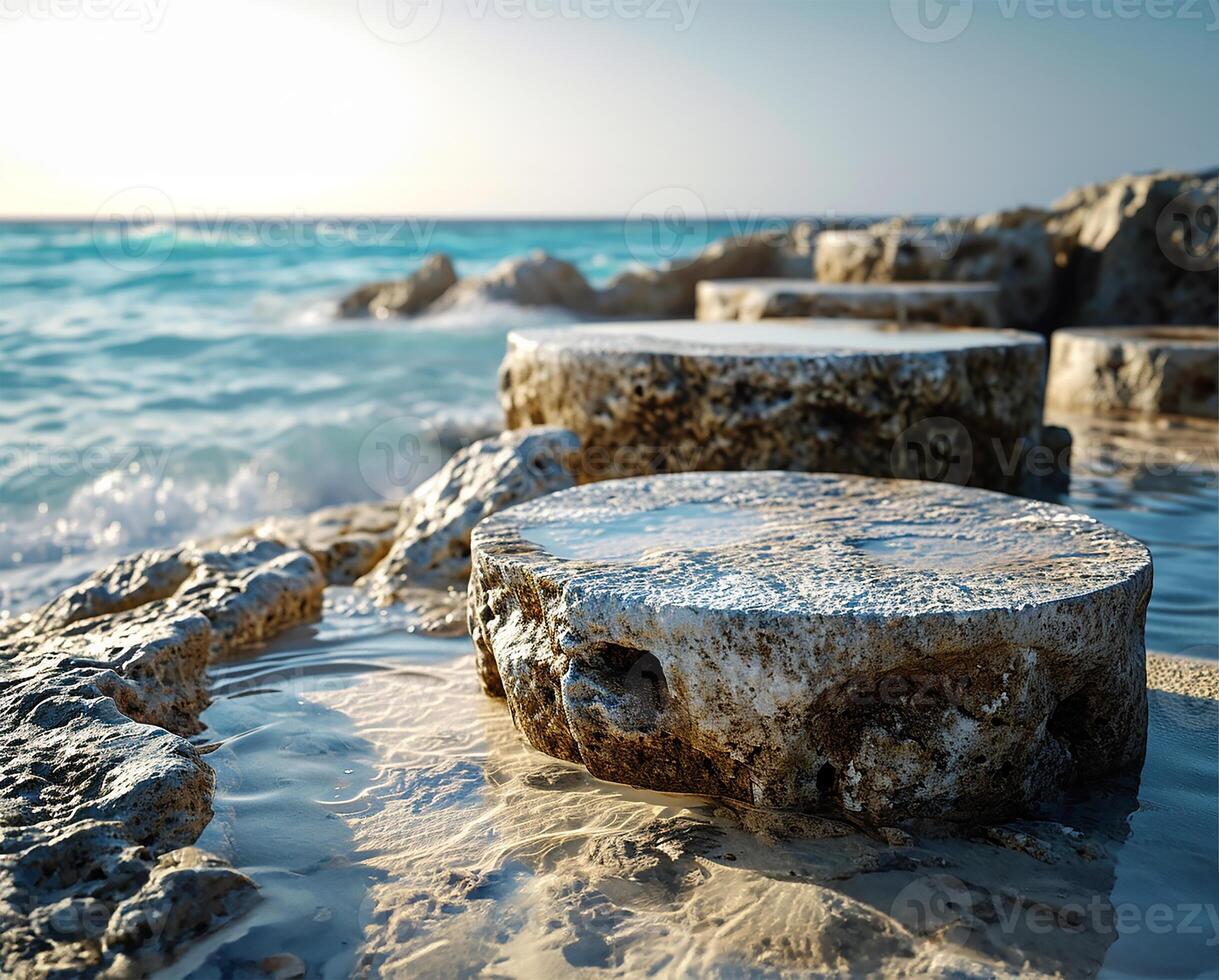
(880, 649)
(1171, 370)
(839, 396)
(964, 304)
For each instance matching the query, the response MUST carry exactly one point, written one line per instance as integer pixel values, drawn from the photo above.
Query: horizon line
(827, 215)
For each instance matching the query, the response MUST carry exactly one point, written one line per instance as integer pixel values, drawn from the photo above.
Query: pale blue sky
(573, 107)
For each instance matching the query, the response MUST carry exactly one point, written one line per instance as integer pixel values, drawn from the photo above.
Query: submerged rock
(97, 690)
(431, 548)
(874, 649)
(400, 297)
(963, 304)
(1145, 370)
(963, 406)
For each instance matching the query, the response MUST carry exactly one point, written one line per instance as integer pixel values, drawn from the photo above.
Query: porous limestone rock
(1012, 249)
(431, 548)
(536, 279)
(187, 894)
(401, 297)
(1141, 249)
(539, 279)
(670, 290)
(1145, 370)
(874, 649)
(346, 541)
(964, 304)
(834, 395)
(98, 690)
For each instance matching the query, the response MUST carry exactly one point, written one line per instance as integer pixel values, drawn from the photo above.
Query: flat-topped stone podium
(878, 649)
(962, 304)
(1153, 370)
(845, 396)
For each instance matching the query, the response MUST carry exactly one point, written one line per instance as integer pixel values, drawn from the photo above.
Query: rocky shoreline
(1126, 251)
(101, 689)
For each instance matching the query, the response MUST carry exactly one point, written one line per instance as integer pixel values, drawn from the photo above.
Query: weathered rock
(346, 541)
(794, 254)
(401, 297)
(670, 290)
(537, 279)
(837, 396)
(431, 549)
(1013, 250)
(875, 649)
(187, 894)
(1142, 249)
(955, 303)
(97, 690)
(1145, 370)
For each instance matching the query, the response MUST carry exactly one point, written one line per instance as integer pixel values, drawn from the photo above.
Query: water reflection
(398, 826)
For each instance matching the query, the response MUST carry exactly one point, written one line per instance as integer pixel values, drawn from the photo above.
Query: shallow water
(687, 527)
(398, 825)
(815, 336)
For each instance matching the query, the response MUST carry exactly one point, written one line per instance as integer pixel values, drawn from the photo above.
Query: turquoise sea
(159, 382)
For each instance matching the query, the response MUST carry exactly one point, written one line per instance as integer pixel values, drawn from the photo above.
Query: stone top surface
(812, 286)
(794, 337)
(1167, 335)
(810, 544)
